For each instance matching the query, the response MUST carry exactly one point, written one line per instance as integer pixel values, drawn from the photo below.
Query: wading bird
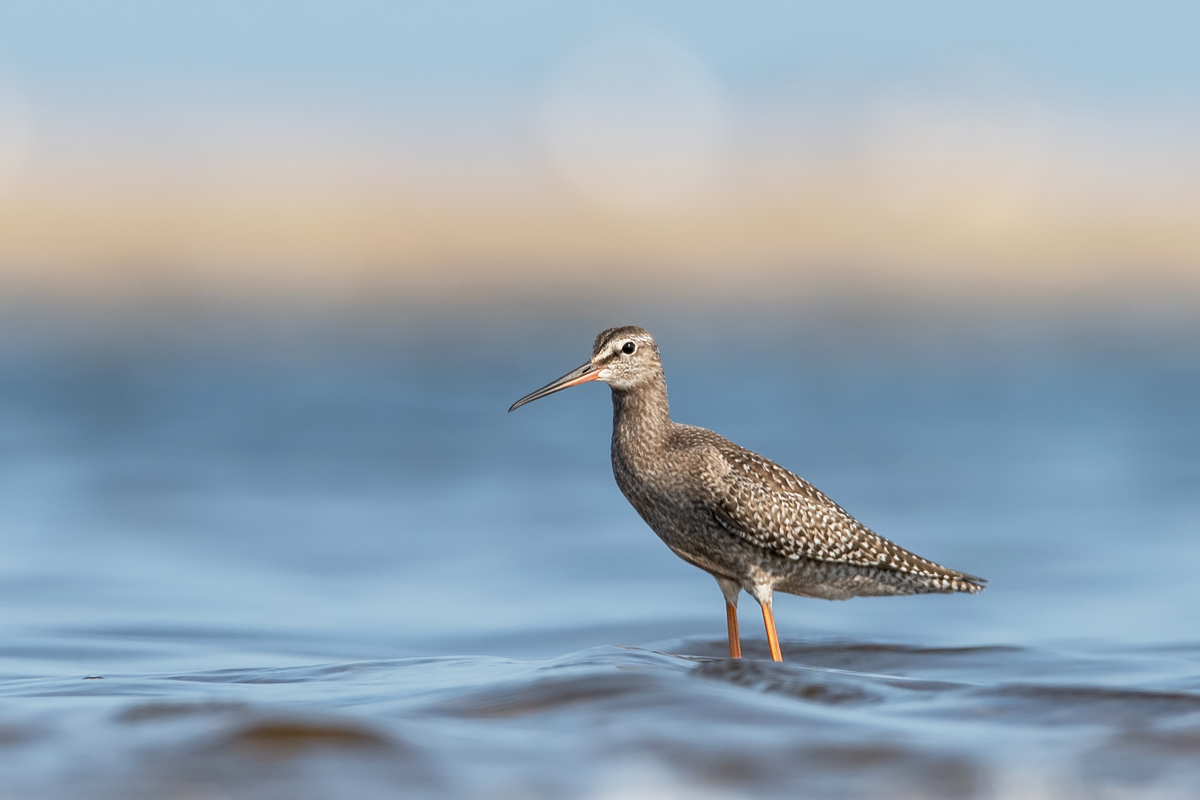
(743, 519)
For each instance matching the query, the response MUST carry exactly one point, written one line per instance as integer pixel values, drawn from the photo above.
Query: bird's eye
(629, 348)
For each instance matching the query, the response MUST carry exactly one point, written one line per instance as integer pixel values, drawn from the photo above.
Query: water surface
(328, 564)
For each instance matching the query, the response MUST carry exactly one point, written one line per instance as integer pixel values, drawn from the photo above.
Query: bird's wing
(761, 502)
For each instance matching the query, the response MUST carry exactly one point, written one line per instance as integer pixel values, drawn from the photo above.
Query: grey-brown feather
(743, 517)
(769, 506)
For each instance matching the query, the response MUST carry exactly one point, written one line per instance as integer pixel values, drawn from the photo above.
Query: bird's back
(765, 505)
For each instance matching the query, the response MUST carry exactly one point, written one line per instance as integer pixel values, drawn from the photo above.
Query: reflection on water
(331, 566)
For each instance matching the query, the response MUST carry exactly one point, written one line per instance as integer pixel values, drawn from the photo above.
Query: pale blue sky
(1092, 54)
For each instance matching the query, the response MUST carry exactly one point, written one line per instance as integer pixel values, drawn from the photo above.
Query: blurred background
(330, 152)
(271, 273)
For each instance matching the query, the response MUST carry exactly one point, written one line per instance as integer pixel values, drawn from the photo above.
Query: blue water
(243, 561)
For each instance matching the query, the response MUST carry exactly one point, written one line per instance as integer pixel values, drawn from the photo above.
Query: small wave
(290, 736)
(1073, 705)
(458, 726)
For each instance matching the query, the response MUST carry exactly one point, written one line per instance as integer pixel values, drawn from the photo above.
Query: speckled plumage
(746, 520)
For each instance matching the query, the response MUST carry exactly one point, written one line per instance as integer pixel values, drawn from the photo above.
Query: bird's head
(621, 357)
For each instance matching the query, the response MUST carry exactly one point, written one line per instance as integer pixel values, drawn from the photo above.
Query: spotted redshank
(745, 520)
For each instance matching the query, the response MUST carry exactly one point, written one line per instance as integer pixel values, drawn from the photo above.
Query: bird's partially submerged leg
(735, 641)
(772, 637)
(764, 595)
(731, 589)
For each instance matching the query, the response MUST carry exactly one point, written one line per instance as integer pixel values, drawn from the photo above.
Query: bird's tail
(971, 584)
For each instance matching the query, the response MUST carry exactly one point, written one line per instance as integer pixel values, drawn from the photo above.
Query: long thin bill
(588, 372)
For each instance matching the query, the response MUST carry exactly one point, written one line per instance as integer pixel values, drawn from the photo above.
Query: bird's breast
(657, 487)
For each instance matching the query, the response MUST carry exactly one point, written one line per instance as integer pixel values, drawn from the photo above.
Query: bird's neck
(641, 416)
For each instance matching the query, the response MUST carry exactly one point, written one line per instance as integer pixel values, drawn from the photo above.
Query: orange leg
(772, 637)
(735, 641)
